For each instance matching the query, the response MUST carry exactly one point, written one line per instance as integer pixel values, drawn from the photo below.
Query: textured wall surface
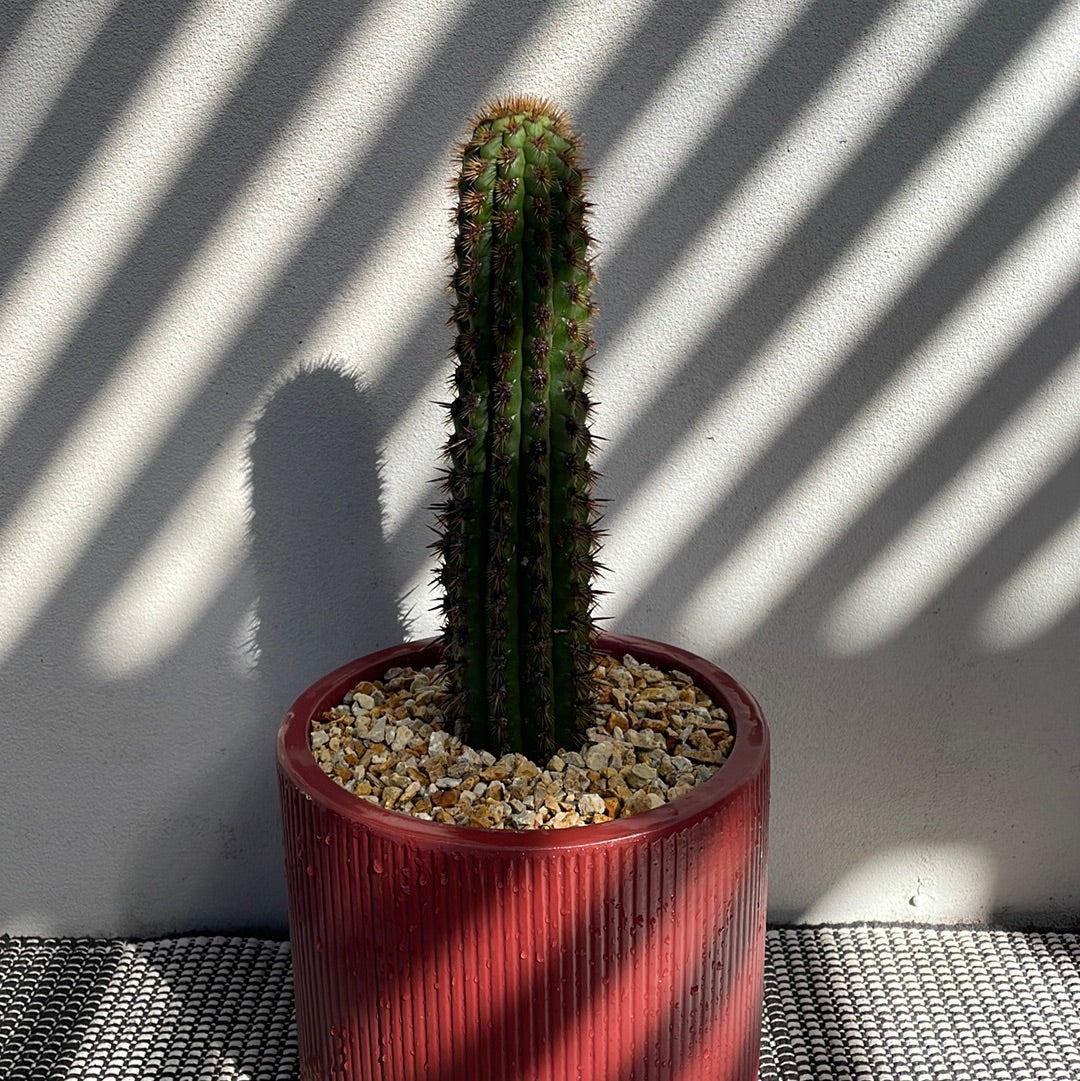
(838, 370)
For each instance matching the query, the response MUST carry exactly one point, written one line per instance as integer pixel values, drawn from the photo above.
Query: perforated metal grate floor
(842, 1004)
(921, 1004)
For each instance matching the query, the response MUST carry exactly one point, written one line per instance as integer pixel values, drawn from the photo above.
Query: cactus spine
(518, 535)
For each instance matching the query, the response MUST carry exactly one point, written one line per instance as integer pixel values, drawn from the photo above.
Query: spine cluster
(518, 536)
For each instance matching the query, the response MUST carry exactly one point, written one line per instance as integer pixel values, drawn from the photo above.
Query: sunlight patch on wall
(38, 67)
(848, 300)
(1042, 592)
(944, 882)
(961, 519)
(136, 162)
(867, 454)
(564, 54)
(822, 140)
(678, 119)
(405, 468)
(389, 296)
(181, 345)
(177, 577)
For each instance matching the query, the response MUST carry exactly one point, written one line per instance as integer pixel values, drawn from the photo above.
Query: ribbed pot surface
(627, 951)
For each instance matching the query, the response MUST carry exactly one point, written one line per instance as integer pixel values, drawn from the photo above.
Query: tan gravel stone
(642, 801)
(653, 737)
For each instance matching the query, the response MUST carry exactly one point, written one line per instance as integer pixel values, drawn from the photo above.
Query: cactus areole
(517, 528)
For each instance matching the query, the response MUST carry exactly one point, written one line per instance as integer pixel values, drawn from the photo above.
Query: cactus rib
(518, 535)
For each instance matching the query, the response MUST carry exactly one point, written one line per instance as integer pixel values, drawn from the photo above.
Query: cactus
(518, 527)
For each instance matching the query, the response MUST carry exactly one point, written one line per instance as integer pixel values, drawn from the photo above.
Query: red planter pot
(631, 950)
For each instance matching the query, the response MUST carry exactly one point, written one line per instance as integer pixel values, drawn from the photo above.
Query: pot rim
(751, 747)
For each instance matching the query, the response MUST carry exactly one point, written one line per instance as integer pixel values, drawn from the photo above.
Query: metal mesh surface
(876, 1003)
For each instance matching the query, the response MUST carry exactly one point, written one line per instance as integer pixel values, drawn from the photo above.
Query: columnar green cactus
(518, 535)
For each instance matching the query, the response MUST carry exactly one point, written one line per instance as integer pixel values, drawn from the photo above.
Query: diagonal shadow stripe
(14, 16)
(122, 54)
(663, 38)
(50, 994)
(970, 63)
(986, 236)
(232, 150)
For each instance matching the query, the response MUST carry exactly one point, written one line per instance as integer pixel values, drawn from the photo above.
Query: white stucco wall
(839, 373)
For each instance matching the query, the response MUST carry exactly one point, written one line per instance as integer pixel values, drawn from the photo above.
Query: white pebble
(599, 755)
(591, 804)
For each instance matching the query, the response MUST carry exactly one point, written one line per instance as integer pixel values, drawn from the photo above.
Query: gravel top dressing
(654, 736)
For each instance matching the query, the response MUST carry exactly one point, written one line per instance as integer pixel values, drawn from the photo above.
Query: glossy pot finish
(632, 950)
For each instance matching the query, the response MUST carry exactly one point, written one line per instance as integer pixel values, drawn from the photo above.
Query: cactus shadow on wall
(325, 586)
